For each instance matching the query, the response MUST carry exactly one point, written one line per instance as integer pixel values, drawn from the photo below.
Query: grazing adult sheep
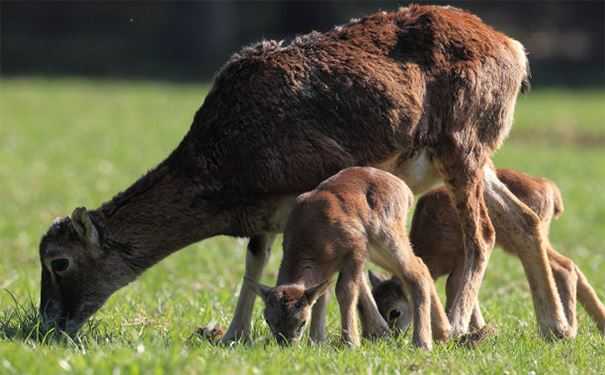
(425, 92)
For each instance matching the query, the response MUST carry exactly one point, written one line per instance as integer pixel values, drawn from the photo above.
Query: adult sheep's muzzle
(54, 315)
(55, 312)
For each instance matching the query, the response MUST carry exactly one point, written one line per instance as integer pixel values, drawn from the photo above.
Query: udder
(419, 172)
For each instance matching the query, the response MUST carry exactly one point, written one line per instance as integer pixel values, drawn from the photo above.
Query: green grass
(65, 143)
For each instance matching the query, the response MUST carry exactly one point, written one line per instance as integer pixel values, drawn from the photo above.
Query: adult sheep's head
(78, 274)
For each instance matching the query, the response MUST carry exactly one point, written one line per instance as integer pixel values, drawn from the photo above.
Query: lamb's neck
(157, 215)
(302, 271)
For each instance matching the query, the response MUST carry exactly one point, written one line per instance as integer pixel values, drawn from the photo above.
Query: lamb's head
(288, 308)
(392, 302)
(78, 274)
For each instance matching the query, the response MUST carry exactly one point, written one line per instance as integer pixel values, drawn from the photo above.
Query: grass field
(65, 143)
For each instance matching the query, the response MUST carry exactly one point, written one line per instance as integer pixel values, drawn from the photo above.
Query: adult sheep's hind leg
(257, 255)
(462, 172)
(522, 227)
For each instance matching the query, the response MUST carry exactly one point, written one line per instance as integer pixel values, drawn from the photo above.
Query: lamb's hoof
(442, 335)
(473, 339)
(211, 333)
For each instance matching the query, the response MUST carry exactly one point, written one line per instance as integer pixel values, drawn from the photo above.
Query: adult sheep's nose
(52, 315)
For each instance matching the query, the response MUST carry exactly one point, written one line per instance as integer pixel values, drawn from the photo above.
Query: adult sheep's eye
(59, 265)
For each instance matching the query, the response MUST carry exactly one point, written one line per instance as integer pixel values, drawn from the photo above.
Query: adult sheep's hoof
(473, 339)
(212, 333)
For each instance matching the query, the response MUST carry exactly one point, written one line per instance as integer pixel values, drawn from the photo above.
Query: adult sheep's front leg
(373, 324)
(463, 175)
(259, 250)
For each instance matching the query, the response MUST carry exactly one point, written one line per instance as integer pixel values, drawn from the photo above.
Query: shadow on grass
(21, 322)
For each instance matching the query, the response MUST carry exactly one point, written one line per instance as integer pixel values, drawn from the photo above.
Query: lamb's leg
(590, 300)
(522, 228)
(566, 281)
(373, 324)
(415, 278)
(318, 319)
(347, 294)
(398, 258)
(440, 325)
(585, 293)
(259, 250)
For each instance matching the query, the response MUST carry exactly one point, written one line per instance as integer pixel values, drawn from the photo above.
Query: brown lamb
(442, 252)
(357, 215)
(425, 92)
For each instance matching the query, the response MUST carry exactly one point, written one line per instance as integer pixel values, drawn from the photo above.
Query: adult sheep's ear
(83, 225)
(261, 290)
(317, 291)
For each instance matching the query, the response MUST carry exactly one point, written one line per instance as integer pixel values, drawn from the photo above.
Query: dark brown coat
(425, 85)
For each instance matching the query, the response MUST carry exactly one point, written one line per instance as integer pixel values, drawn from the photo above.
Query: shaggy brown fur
(356, 215)
(437, 239)
(425, 92)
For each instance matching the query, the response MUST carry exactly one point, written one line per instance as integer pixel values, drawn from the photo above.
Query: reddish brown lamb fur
(355, 216)
(437, 239)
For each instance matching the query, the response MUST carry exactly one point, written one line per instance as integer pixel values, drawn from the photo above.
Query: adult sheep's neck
(160, 213)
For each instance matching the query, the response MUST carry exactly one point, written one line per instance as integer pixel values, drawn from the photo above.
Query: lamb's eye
(59, 265)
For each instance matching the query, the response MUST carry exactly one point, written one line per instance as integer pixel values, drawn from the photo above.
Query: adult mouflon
(425, 92)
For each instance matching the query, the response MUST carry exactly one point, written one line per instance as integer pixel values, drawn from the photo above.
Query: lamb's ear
(261, 290)
(375, 279)
(317, 291)
(83, 225)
